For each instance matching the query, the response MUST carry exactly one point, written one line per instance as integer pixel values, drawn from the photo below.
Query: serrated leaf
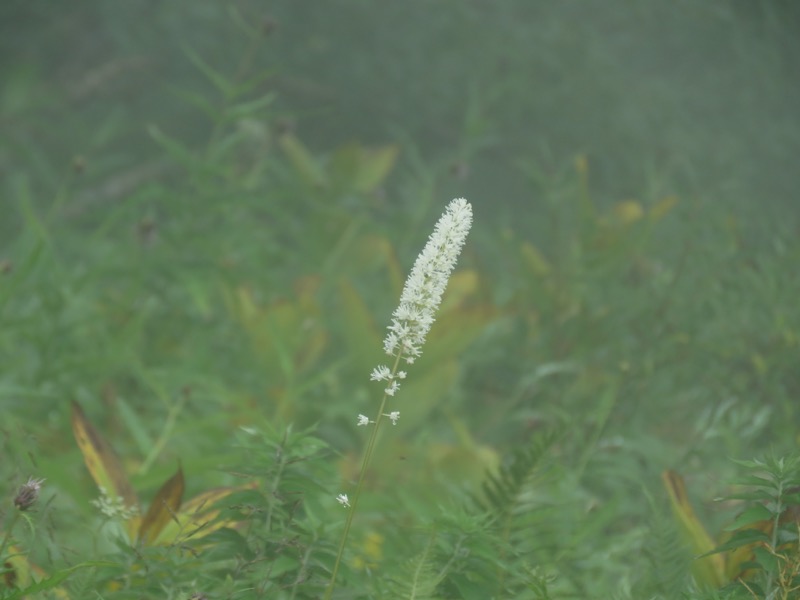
(754, 514)
(740, 548)
(50, 583)
(743, 537)
(163, 509)
(103, 464)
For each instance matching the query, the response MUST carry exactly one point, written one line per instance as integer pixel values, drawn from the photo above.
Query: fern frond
(418, 577)
(504, 491)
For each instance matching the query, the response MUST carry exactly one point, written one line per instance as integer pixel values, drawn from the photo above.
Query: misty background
(688, 97)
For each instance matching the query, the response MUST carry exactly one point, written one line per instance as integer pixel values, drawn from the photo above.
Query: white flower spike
(411, 321)
(426, 283)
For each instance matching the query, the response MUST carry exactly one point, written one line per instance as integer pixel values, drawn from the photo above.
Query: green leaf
(375, 165)
(302, 160)
(249, 108)
(174, 148)
(754, 514)
(49, 583)
(217, 79)
(741, 538)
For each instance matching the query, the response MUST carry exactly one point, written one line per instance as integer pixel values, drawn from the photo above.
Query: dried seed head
(28, 493)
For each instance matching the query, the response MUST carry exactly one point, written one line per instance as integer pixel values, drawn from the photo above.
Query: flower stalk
(411, 321)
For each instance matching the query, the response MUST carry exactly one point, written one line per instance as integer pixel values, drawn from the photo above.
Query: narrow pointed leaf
(164, 508)
(103, 464)
(708, 569)
(302, 160)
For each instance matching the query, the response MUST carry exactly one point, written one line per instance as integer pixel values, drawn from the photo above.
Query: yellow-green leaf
(302, 160)
(104, 465)
(361, 334)
(709, 570)
(163, 509)
(662, 207)
(374, 166)
(534, 260)
(198, 516)
(628, 211)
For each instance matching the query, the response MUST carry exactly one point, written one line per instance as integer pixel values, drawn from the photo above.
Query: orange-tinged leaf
(163, 509)
(709, 570)
(197, 517)
(104, 465)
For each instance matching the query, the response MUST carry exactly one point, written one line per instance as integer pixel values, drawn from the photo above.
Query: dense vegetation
(207, 217)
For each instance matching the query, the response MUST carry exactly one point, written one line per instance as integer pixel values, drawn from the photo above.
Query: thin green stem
(354, 503)
(9, 529)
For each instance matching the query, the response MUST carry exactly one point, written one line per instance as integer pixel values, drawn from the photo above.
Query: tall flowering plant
(411, 321)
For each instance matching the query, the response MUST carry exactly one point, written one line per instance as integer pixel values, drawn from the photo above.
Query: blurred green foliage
(207, 212)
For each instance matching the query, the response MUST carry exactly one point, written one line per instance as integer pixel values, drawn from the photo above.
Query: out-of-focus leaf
(197, 517)
(356, 168)
(374, 166)
(453, 331)
(219, 80)
(628, 211)
(660, 209)
(421, 393)
(249, 107)
(163, 509)
(709, 569)
(104, 465)
(302, 160)
(135, 425)
(462, 285)
(371, 250)
(534, 260)
(363, 340)
(466, 464)
(174, 148)
(51, 583)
